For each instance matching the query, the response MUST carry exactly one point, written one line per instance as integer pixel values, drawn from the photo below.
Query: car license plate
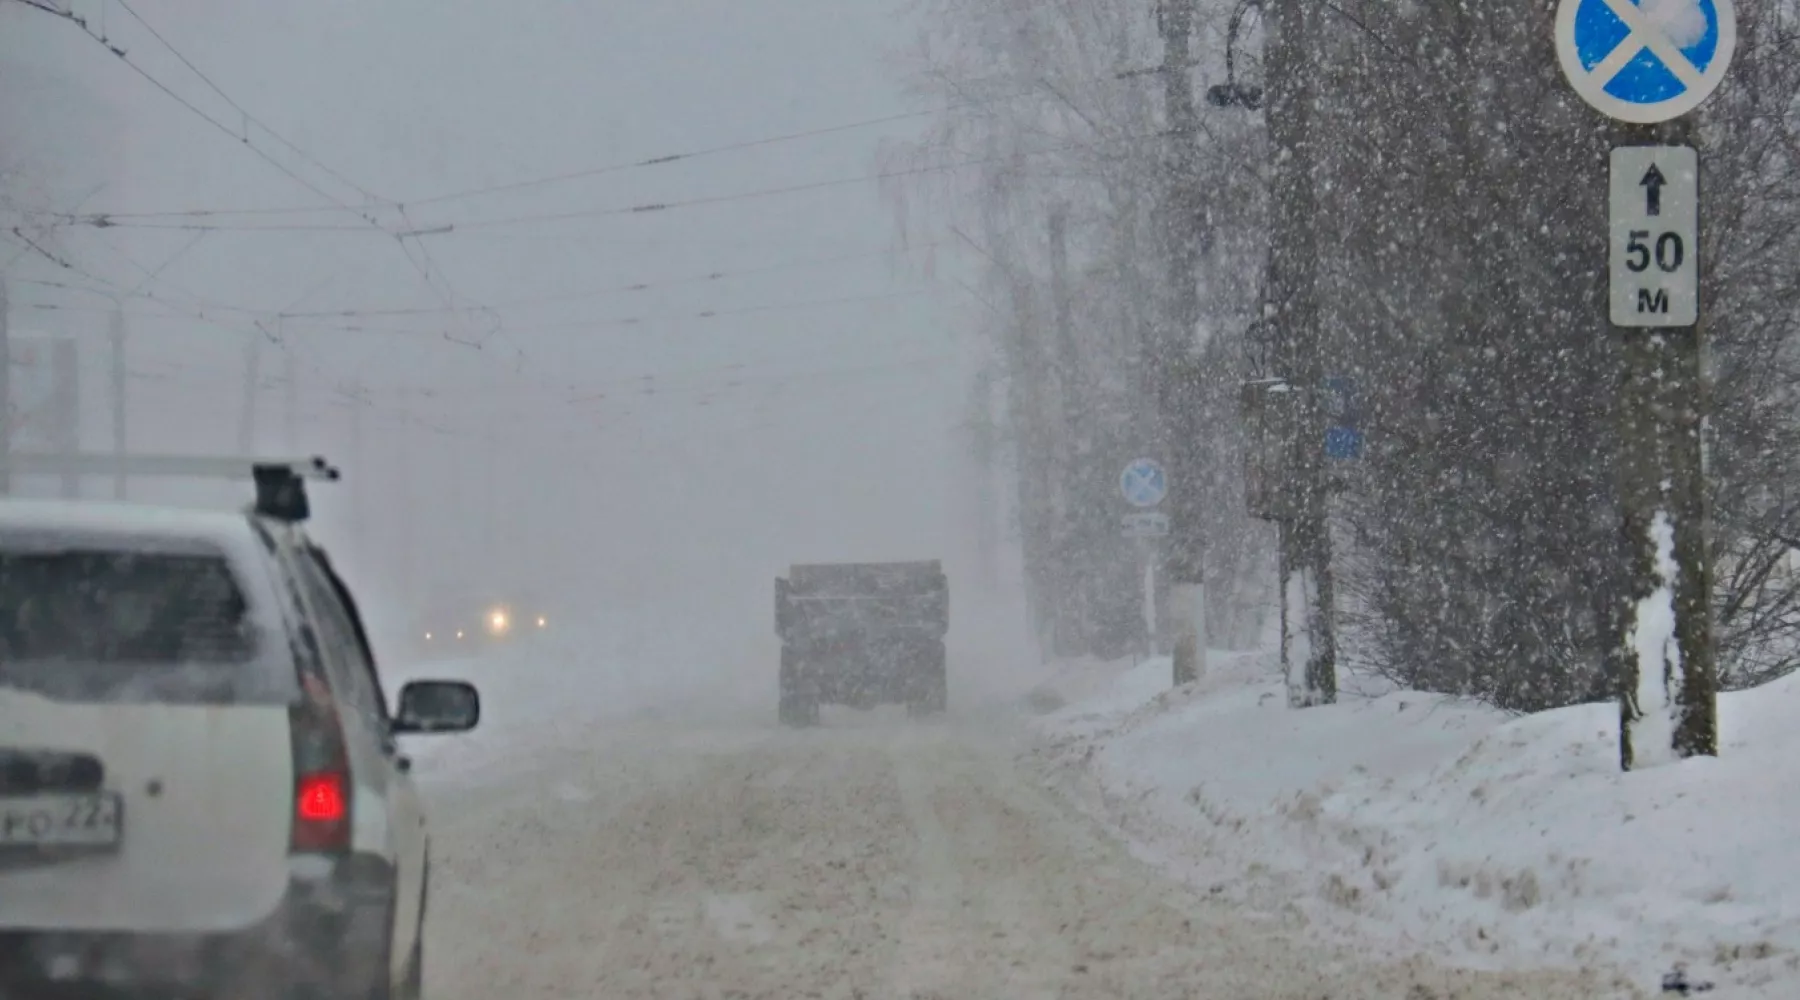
(90, 820)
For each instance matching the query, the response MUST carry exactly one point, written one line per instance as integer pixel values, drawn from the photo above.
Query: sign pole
(6, 421)
(1668, 684)
(1145, 485)
(1151, 557)
(1648, 73)
(1304, 563)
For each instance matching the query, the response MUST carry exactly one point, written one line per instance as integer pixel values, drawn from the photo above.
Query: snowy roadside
(1411, 823)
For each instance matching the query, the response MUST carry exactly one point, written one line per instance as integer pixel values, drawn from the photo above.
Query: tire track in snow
(933, 950)
(863, 861)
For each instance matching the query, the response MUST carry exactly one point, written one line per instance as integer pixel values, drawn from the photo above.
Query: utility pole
(403, 465)
(1036, 483)
(1308, 607)
(290, 390)
(1668, 676)
(490, 447)
(1142, 420)
(65, 368)
(252, 373)
(1035, 480)
(6, 422)
(984, 451)
(358, 470)
(1072, 461)
(116, 339)
(1669, 682)
(1172, 351)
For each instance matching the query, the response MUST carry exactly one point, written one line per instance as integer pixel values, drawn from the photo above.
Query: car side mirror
(437, 707)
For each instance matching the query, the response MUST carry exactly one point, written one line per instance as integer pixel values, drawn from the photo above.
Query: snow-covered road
(875, 858)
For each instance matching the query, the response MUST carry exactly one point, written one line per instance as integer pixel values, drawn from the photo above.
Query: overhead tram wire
(242, 140)
(246, 141)
(718, 379)
(239, 320)
(210, 312)
(151, 277)
(625, 289)
(109, 222)
(469, 193)
(581, 174)
(426, 267)
(118, 291)
(104, 218)
(447, 295)
(651, 208)
(627, 323)
(244, 321)
(237, 316)
(657, 161)
(240, 109)
(45, 7)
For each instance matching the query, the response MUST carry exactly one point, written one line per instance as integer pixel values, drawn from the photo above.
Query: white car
(200, 788)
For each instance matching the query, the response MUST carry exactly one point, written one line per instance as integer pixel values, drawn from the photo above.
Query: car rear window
(122, 625)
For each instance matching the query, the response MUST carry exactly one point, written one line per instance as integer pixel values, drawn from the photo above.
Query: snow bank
(1410, 822)
(1103, 693)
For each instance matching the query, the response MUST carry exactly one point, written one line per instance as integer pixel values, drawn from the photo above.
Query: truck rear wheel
(931, 684)
(799, 703)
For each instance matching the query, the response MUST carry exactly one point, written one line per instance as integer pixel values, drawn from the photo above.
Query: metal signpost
(1145, 485)
(1646, 66)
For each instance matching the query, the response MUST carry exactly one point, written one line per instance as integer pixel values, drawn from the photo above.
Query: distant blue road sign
(1345, 444)
(1343, 408)
(1645, 61)
(1144, 483)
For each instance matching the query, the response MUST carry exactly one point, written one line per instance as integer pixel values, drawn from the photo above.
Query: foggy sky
(538, 459)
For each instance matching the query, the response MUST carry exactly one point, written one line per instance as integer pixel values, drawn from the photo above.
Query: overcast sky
(549, 425)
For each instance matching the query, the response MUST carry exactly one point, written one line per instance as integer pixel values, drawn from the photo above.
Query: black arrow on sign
(1653, 184)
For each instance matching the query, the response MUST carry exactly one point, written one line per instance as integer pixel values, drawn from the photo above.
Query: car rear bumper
(329, 937)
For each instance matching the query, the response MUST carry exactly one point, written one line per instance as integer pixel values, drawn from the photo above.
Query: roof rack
(280, 483)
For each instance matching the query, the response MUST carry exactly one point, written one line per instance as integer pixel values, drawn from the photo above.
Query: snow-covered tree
(1461, 241)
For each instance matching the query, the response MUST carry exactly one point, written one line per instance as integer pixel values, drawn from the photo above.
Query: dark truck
(861, 635)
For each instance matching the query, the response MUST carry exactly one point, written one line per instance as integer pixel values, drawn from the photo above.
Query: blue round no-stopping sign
(1645, 61)
(1144, 483)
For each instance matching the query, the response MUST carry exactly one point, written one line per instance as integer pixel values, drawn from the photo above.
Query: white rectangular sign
(1655, 215)
(1147, 524)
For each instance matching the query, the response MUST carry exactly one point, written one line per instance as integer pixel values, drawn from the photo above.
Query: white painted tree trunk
(1656, 701)
(1299, 593)
(1187, 613)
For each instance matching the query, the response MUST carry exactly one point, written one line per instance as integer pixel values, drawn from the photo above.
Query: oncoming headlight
(499, 622)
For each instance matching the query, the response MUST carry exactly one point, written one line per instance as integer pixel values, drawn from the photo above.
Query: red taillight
(322, 802)
(321, 813)
(320, 799)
